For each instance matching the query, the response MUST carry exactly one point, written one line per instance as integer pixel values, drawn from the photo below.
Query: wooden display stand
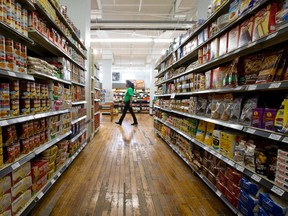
(108, 108)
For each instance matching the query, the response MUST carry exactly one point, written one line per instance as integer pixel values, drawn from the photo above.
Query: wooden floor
(129, 171)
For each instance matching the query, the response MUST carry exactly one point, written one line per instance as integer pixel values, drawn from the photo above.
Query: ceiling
(129, 19)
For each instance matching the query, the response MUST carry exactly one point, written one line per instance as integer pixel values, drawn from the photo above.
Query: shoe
(118, 123)
(134, 123)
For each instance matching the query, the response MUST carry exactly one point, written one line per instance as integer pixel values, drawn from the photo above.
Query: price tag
(15, 166)
(52, 181)
(240, 168)
(218, 155)
(3, 123)
(256, 178)
(275, 137)
(173, 95)
(285, 140)
(206, 148)
(218, 193)
(231, 163)
(11, 74)
(59, 174)
(251, 131)
(201, 176)
(271, 36)
(277, 190)
(252, 87)
(274, 85)
(40, 195)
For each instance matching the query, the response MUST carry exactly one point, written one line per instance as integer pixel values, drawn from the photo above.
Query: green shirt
(128, 94)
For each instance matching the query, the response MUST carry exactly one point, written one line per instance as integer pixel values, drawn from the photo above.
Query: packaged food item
(281, 118)
(17, 150)
(3, 12)
(20, 202)
(249, 186)
(234, 10)
(216, 139)
(9, 51)
(24, 145)
(39, 184)
(14, 89)
(272, 204)
(32, 142)
(20, 187)
(9, 135)
(282, 15)
(25, 89)
(246, 29)
(248, 200)
(5, 184)
(5, 201)
(10, 8)
(228, 107)
(2, 51)
(217, 106)
(272, 164)
(247, 111)
(201, 130)
(261, 161)
(24, 106)
(222, 21)
(208, 139)
(269, 67)
(39, 168)
(223, 44)
(228, 141)
(264, 21)
(21, 172)
(208, 79)
(214, 49)
(269, 118)
(233, 38)
(218, 77)
(257, 117)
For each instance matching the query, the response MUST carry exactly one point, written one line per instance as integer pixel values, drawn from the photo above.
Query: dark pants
(127, 107)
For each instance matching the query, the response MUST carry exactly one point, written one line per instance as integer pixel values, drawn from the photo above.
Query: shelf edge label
(256, 178)
(15, 166)
(277, 190)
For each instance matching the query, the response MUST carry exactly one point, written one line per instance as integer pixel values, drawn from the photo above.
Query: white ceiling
(135, 19)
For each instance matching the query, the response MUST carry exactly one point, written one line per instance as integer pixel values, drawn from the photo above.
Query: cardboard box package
(228, 140)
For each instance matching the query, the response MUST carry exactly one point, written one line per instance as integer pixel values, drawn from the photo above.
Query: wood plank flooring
(128, 170)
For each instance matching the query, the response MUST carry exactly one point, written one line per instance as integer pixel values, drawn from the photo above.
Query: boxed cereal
(233, 38)
(5, 201)
(5, 184)
(20, 187)
(264, 21)
(21, 172)
(39, 168)
(246, 30)
(214, 49)
(18, 204)
(228, 140)
(223, 44)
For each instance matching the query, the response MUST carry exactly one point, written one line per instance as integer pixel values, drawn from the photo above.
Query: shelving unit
(170, 96)
(59, 107)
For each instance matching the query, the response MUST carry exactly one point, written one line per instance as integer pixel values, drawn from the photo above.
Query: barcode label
(173, 95)
(277, 190)
(240, 168)
(11, 74)
(52, 181)
(285, 140)
(59, 174)
(15, 166)
(275, 137)
(252, 87)
(40, 195)
(218, 193)
(251, 131)
(256, 178)
(275, 85)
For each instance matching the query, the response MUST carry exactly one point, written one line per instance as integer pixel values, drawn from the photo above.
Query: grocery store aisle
(129, 171)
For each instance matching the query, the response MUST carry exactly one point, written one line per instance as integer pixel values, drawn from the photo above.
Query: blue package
(245, 210)
(249, 186)
(248, 200)
(262, 212)
(268, 204)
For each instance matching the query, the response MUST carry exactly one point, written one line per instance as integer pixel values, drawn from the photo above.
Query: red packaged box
(233, 188)
(221, 187)
(265, 22)
(233, 176)
(39, 168)
(231, 198)
(36, 186)
(246, 30)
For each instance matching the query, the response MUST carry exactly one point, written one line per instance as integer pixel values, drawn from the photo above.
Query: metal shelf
(10, 32)
(78, 135)
(45, 76)
(46, 47)
(27, 4)
(62, 18)
(25, 158)
(79, 119)
(215, 121)
(52, 23)
(210, 19)
(20, 119)
(78, 103)
(203, 178)
(256, 177)
(37, 197)
(11, 74)
(182, 60)
(77, 83)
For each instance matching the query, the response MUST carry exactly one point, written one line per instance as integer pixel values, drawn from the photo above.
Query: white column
(152, 86)
(107, 79)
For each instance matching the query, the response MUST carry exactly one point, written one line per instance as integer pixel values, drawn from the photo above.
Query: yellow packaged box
(208, 140)
(21, 187)
(228, 141)
(18, 204)
(51, 151)
(21, 172)
(201, 130)
(5, 184)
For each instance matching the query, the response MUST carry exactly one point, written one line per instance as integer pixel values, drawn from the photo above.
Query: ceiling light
(123, 40)
(95, 51)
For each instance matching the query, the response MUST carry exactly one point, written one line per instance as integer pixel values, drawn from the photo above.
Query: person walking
(128, 103)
